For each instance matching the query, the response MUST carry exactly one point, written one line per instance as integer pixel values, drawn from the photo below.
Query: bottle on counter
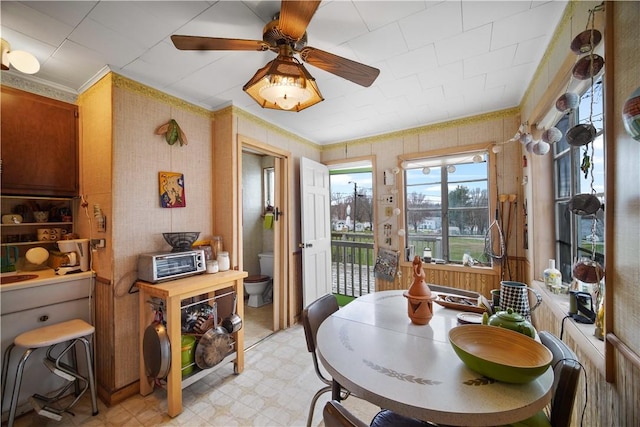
(552, 277)
(223, 261)
(216, 246)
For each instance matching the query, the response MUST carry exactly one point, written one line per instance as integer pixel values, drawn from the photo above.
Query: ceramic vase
(419, 298)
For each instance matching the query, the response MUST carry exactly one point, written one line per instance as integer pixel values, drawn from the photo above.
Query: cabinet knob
(43, 318)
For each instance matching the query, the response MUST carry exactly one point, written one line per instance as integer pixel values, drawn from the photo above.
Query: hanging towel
(268, 221)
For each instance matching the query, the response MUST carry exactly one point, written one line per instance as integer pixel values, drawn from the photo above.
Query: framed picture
(172, 190)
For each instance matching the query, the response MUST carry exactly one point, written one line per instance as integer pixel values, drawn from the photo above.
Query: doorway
(263, 235)
(353, 229)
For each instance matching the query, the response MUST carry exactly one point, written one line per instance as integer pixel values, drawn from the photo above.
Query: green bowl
(500, 353)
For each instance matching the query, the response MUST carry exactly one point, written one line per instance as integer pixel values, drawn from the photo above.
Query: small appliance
(581, 307)
(75, 254)
(161, 266)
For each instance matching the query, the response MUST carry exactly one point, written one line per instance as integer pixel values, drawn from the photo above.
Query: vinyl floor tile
(275, 390)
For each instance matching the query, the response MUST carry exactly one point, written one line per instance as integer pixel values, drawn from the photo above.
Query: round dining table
(371, 348)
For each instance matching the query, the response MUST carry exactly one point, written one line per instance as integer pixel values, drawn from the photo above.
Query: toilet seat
(256, 278)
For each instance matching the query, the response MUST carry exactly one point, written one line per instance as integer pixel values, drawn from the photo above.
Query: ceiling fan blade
(295, 16)
(356, 72)
(216, 43)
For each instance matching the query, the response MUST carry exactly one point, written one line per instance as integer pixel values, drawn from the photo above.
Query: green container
(188, 346)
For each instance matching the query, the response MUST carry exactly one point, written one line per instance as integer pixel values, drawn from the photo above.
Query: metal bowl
(586, 41)
(588, 66)
(181, 241)
(499, 353)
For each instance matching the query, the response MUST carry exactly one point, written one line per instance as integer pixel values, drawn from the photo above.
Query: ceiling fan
(284, 83)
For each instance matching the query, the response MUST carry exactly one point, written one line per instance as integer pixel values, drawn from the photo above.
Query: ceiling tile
(464, 45)
(435, 23)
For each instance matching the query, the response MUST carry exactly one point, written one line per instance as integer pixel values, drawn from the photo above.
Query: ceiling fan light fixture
(283, 84)
(286, 92)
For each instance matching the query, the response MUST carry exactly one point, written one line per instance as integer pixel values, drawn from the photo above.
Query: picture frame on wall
(172, 193)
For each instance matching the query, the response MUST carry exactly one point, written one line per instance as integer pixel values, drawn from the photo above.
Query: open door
(316, 230)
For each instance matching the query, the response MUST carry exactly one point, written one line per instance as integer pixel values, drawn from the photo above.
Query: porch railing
(352, 266)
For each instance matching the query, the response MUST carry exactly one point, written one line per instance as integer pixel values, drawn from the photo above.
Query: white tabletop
(372, 349)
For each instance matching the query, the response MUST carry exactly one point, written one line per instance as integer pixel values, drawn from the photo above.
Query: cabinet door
(39, 145)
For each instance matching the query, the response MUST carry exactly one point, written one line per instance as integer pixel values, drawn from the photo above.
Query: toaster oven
(162, 266)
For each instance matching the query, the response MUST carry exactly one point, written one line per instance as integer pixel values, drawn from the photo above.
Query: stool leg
(92, 385)
(16, 387)
(5, 371)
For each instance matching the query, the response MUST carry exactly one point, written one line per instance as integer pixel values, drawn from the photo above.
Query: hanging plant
(172, 133)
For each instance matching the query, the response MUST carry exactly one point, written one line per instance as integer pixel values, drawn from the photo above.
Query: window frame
(574, 155)
(409, 161)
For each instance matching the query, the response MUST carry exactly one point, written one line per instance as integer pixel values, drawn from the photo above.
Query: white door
(316, 230)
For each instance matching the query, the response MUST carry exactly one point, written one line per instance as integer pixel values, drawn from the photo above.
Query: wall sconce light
(284, 84)
(19, 59)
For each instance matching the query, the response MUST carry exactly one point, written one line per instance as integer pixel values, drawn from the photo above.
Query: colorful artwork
(172, 190)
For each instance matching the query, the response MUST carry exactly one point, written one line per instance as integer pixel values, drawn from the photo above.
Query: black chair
(312, 316)
(566, 370)
(336, 415)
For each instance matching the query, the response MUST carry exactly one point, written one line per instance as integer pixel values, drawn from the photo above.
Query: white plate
(37, 255)
(470, 318)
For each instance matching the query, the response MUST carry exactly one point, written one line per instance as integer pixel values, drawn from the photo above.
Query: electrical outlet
(387, 199)
(98, 243)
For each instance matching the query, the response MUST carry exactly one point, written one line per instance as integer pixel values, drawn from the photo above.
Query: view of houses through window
(447, 206)
(352, 231)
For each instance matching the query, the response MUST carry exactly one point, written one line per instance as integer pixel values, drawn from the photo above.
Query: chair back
(565, 382)
(314, 314)
(336, 415)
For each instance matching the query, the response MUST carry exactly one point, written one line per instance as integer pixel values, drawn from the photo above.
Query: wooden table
(372, 349)
(173, 292)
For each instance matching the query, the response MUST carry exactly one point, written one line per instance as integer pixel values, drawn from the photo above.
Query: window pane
(460, 193)
(563, 231)
(563, 176)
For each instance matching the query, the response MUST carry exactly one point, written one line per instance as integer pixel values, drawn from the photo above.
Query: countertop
(46, 276)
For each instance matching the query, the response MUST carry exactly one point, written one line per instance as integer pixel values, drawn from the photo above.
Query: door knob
(305, 245)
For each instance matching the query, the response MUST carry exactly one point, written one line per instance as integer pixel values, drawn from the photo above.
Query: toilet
(260, 287)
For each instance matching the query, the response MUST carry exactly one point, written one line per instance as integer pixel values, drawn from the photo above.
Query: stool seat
(54, 334)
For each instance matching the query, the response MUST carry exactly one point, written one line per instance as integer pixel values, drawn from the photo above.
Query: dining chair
(566, 371)
(566, 375)
(312, 316)
(335, 414)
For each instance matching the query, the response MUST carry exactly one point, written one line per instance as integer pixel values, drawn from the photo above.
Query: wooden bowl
(500, 353)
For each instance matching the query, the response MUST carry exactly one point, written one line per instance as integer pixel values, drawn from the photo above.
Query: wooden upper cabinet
(39, 145)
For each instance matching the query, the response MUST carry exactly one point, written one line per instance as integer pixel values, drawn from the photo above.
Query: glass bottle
(216, 246)
(552, 277)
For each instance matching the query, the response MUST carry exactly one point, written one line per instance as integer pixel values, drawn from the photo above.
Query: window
(268, 189)
(447, 205)
(579, 236)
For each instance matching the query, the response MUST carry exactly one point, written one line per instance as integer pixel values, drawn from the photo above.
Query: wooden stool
(68, 333)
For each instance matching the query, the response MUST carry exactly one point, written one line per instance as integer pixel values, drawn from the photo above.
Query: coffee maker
(76, 253)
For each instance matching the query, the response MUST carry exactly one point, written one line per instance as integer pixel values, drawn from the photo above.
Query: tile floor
(275, 389)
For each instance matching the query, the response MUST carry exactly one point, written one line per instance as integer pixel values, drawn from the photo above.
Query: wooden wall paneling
(606, 403)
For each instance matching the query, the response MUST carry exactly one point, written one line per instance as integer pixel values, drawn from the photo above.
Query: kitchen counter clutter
(44, 300)
(173, 293)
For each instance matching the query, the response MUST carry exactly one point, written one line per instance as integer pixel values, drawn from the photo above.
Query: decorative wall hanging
(172, 133)
(386, 264)
(631, 115)
(172, 190)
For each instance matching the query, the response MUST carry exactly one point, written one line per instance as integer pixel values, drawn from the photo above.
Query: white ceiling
(438, 60)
